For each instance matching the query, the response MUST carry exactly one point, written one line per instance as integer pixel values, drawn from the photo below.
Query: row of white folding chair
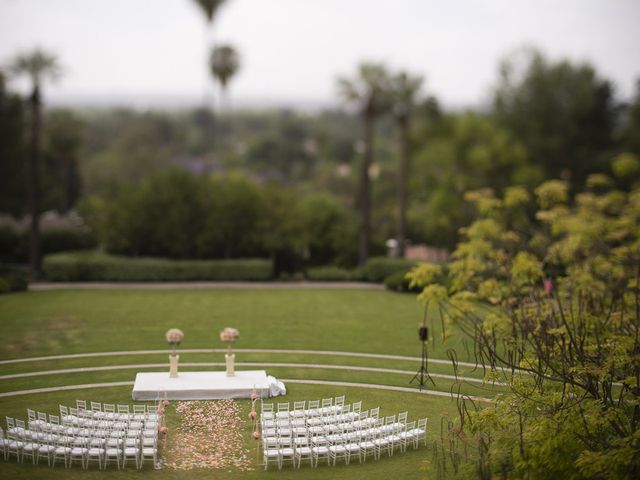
(305, 429)
(42, 430)
(111, 411)
(332, 449)
(96, 445)
(72, 424)
(303, 408)
(326, 424)
(346, 434)
(311, 421)
(336, 431)
(84, 418)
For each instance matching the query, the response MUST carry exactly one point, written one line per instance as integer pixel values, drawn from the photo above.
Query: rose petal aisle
(208, 435)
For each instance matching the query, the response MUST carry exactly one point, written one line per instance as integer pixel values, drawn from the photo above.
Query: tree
(405, 89)
(631, 129)
(13, 174)
(553, 308)
(64, 137)
(209, 8)
(563, 113)
(37, 65)
(224, 63)
(368, 91)
(465, 152)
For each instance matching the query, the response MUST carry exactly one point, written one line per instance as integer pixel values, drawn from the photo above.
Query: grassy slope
(60, 322)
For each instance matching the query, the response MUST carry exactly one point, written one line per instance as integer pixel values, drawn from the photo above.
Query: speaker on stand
(422, 375)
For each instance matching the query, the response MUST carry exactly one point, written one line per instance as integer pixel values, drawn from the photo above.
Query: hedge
(12, 279)
(330, 274)
(376, 269)
(96, 266)
(398, 282)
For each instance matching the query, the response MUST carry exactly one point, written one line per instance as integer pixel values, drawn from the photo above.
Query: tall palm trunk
(365, 189)
(403, 176)
(34, 184)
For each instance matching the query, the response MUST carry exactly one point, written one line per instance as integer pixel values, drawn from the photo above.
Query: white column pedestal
(173, 365)
(230, 368)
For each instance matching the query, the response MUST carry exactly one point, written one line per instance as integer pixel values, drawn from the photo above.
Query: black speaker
(423, 333)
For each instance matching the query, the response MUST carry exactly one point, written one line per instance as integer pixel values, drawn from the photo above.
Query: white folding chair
(337, 449)
(79, 451)
(131, 450)
(62, 451)
(150, 452)
(266, 411)
(270, 453)
(283, 410)
(313, 408)
(319, 451)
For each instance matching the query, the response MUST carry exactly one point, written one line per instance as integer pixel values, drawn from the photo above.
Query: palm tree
(405, 90)
(224, 63)
(209, 8)
(368, 91)
(37, 65)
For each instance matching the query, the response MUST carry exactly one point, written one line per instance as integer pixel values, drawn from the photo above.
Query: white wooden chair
(337, 449)
(266, 411)
(319, 451)
(131, 450)
(79, 451)
(62, 451)
(270, 453)
(150, 452)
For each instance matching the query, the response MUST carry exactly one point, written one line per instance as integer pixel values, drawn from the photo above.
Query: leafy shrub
(14, 245)
(65, 240)
(398, 283)
(329, 274)
(11, 243)
(12, 279)
(95, 266)
(378, 268)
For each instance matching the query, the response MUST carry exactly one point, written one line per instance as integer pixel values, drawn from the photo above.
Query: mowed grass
(73, 321)
(83, 321)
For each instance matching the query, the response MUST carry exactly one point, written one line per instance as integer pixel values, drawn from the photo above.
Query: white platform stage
(205, 385)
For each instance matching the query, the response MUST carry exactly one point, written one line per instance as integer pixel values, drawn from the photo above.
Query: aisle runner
(209, 435)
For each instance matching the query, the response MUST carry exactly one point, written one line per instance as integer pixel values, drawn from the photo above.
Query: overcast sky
(293, 50)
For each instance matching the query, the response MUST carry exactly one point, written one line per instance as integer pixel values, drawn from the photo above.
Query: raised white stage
(205, 385)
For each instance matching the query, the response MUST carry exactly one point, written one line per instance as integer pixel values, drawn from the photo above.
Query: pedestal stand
(230, 357)
(173, 365)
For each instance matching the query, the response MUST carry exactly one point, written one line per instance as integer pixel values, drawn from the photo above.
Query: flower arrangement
(174, 336)
(229, 335)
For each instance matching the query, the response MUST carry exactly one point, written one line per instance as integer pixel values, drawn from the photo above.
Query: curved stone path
(287, 380)
(42, 286)
(240, 364)
(239, 350)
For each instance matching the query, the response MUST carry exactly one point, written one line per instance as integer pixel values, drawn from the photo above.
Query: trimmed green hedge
(378, 268)
(96, 266)
(12, 279)
(330, 274)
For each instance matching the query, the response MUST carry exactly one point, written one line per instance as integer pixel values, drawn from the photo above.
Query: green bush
(12, 279)
(66, 239)
(95, 266)
(398, 283)
(329, 274)
(14, 245)
(378, 268)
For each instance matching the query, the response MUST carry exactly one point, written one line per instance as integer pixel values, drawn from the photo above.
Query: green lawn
(82, 321)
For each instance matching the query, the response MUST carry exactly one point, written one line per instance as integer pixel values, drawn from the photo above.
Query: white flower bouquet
(174, 336)
(229, 335)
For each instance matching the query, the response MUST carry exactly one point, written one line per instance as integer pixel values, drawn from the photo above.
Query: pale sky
(293, 50)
